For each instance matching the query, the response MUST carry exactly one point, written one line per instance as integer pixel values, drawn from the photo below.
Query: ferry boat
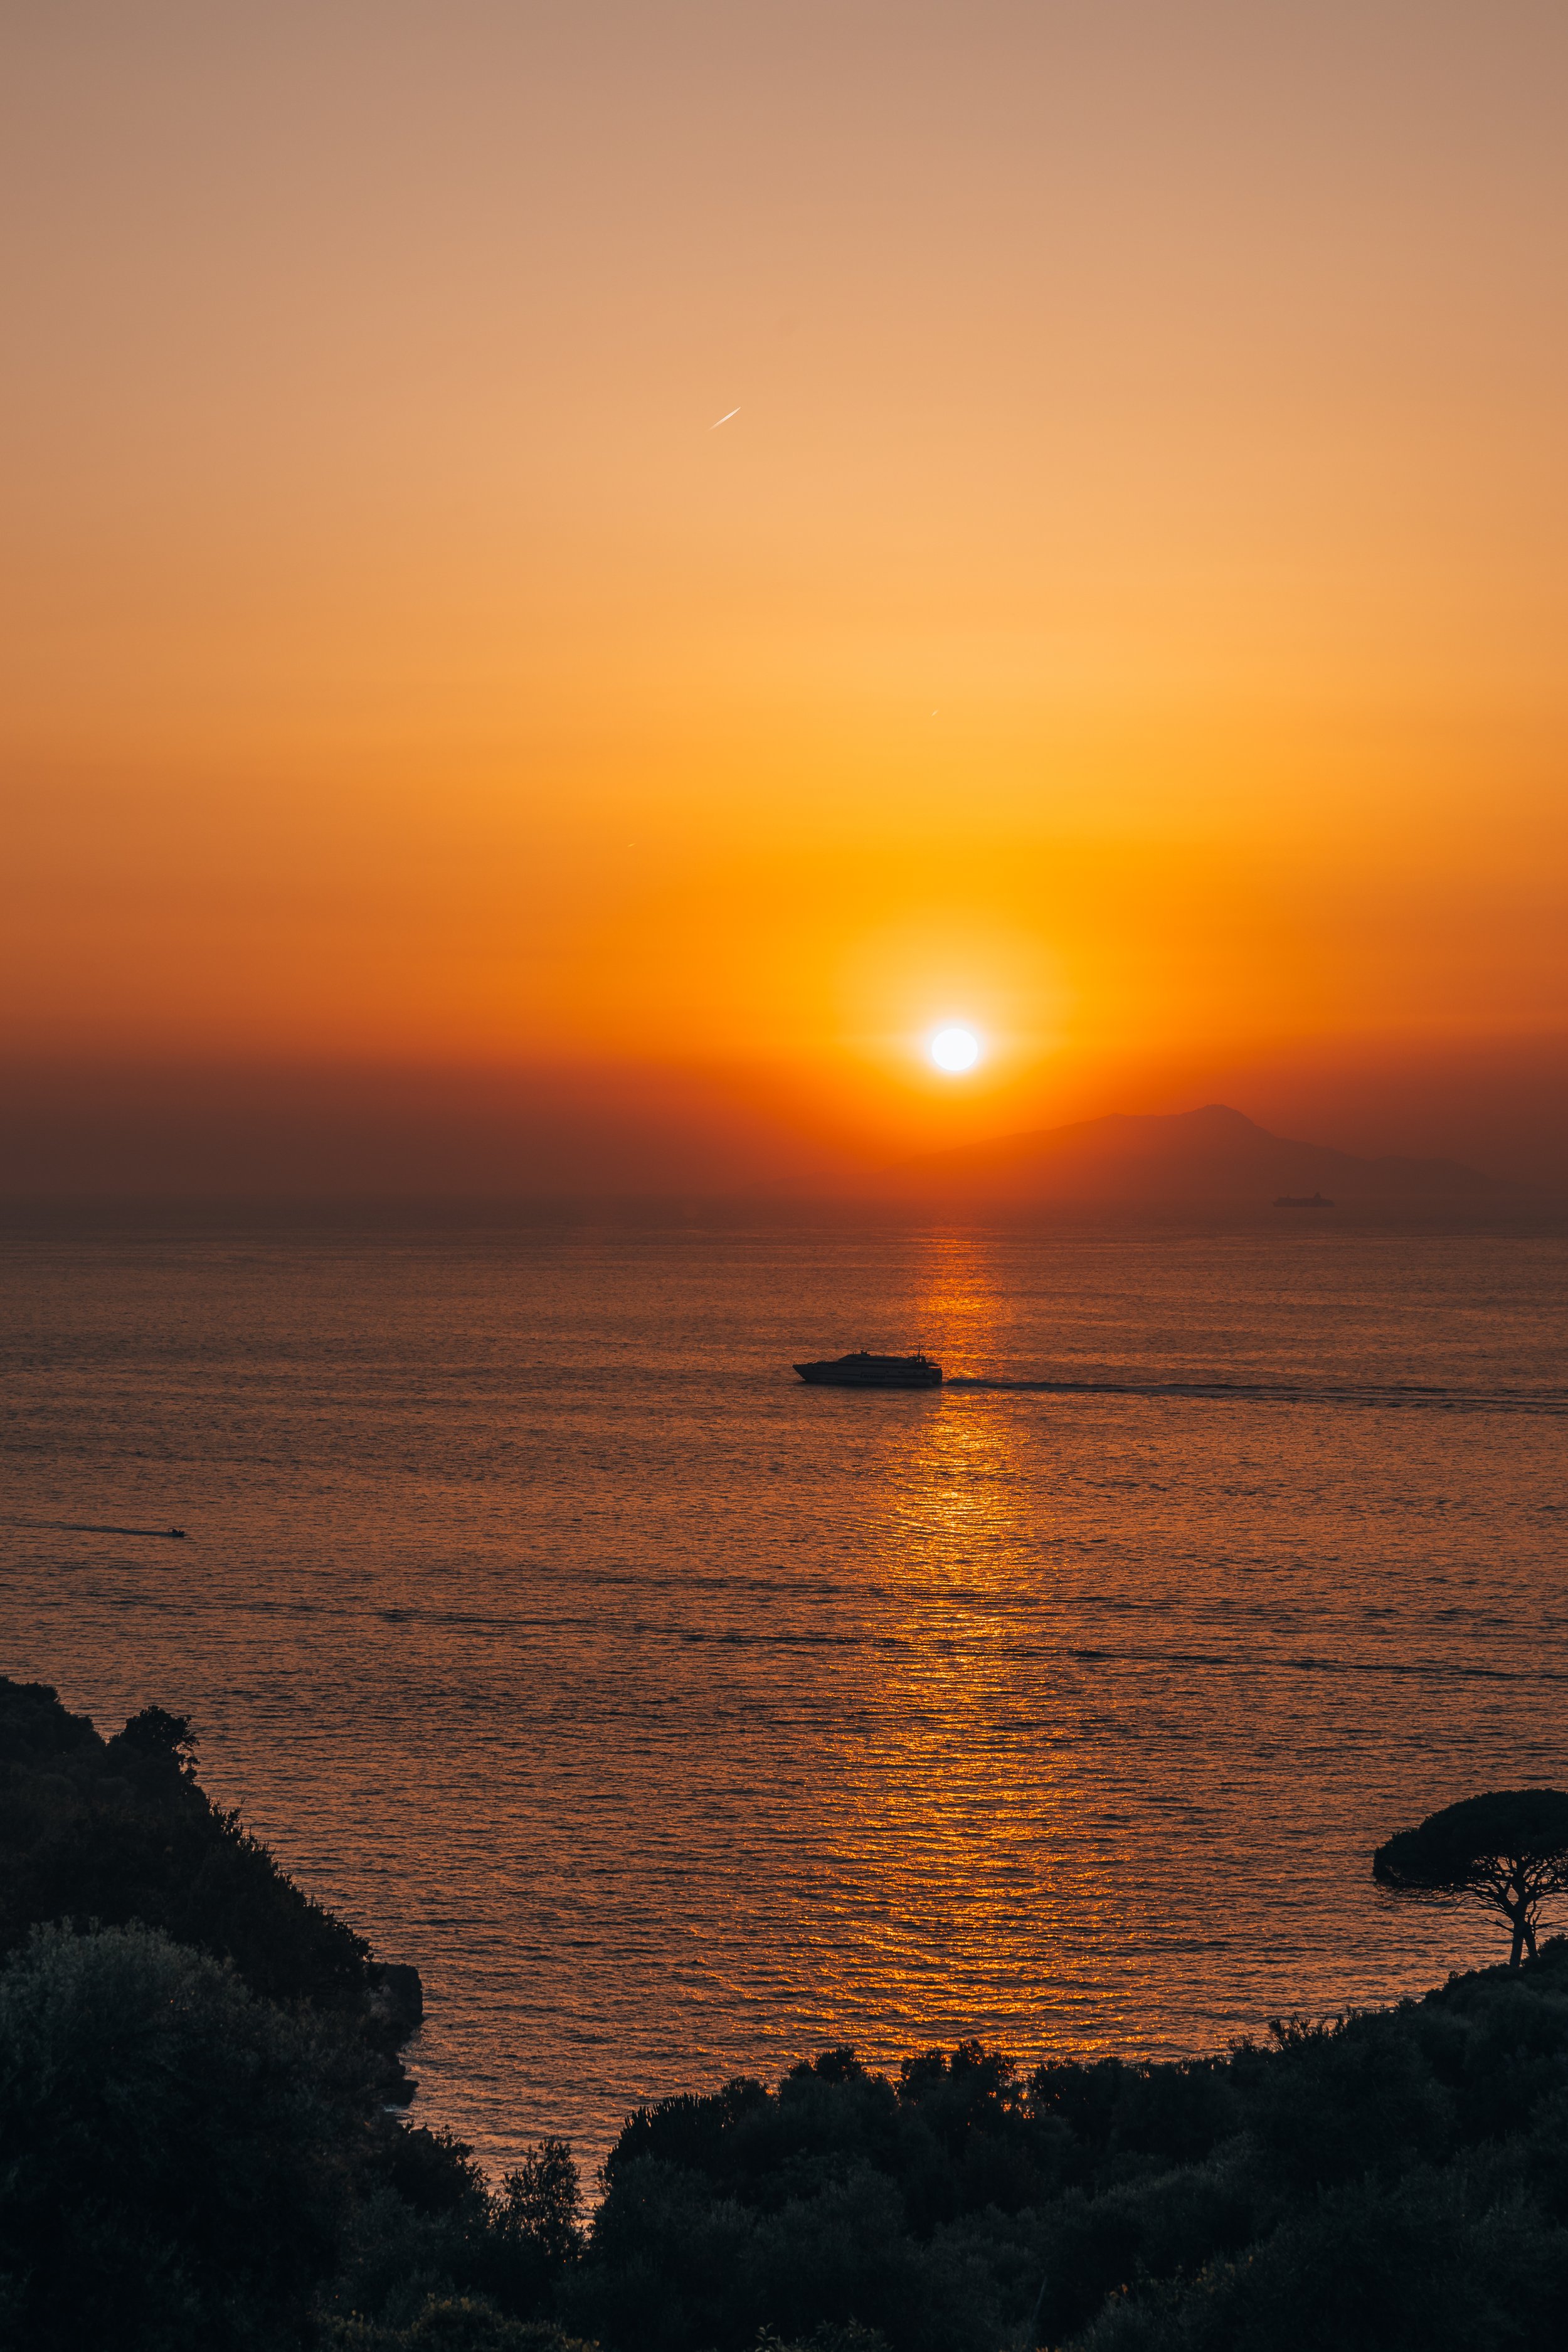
(1300, 1200)
(862, 1371)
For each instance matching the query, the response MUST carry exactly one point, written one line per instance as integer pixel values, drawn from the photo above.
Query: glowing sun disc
(955, 1049)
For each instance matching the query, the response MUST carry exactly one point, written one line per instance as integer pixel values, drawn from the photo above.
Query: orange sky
(1126, 611)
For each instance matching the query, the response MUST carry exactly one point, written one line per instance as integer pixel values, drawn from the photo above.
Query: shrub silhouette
(1396, 2178)
(194, 2150)
(118, 1829)
(172, 2150)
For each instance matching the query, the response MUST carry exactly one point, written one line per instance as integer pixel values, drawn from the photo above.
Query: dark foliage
(118, 1829)
(175, 2156)
(195, 2143)
(1397, 2178)
(195, 2149)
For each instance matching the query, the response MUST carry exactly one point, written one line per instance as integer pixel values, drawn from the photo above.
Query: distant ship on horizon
(1301, 1200)
(862, 1371)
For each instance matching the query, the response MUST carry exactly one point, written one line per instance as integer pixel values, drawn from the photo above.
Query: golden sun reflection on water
(678, 1720)
(959, 1791)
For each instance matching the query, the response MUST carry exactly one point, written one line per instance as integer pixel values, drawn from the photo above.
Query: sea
(678, 1721)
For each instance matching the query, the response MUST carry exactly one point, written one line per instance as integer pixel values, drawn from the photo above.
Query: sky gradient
(1125, 613)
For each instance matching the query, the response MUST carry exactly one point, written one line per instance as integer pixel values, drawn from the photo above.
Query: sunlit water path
(677, 1719)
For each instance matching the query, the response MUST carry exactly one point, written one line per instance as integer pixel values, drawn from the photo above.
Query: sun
(955, 1050)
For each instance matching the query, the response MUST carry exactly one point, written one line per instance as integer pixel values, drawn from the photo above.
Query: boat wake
(91, 1527)
(1371, 1396)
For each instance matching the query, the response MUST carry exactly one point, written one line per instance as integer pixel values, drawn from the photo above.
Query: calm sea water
(677, 1719)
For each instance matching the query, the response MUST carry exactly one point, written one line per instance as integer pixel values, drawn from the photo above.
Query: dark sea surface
(677, 1719)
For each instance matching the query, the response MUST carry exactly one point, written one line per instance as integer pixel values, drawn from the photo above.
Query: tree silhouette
(1508, 1849)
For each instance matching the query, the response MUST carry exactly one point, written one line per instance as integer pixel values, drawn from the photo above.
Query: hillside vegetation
(196, 2149)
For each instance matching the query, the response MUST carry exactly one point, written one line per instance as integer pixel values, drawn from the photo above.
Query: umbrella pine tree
(1507, 1850)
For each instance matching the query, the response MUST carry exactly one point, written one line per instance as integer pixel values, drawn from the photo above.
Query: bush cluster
(197, 2149)
(116, 1830)
(1396, 2179)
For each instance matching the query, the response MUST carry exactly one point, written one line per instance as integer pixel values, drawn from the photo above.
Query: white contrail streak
(723, 420)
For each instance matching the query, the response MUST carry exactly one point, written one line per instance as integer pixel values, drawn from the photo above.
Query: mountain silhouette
(1210, 1158)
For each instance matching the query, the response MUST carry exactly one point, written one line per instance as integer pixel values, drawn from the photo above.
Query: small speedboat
(862, 1371)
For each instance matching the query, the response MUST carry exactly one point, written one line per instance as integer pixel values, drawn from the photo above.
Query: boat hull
(871, 1372)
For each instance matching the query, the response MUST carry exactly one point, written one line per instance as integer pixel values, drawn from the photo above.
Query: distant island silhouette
(1212, 1158)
